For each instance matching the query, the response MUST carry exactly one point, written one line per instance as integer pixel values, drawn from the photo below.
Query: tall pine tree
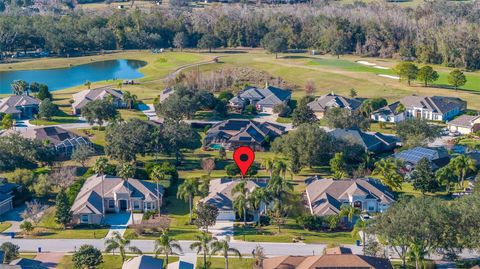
(63, 215)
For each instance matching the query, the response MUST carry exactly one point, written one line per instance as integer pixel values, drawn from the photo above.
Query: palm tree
(462, 165)
(88, 84)
(417, 252)
(360, 226)
(117, 241)
(129, 99)
(19, 87)
(100, 167)
(158, 174)
(445, 176)
(186, 191)
(240, 202)
(268, 164)
(280, 167)
(127, 171)
(279, 187)
(349, 211)
(258, 197)
(202, 245)
(166, 245)
(388, 171)
(223, 247)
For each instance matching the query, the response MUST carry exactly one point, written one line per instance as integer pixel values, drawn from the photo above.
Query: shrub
(149, 214)
(264, 220)
(311, 223)
(282, 110)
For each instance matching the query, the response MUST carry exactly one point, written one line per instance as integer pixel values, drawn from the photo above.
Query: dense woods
(435, 32)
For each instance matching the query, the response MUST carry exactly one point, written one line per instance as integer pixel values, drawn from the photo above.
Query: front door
(123, 205)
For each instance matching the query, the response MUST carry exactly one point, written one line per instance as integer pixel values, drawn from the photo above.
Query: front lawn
(127, 114)
(233, 263)
(56, 120)
(48, 228)
(4, 226)
(289, 232)
(109, 261)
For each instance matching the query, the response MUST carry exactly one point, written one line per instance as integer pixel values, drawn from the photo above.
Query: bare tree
(310, 87)
(63, 177)
(208, 164)
(33, 211)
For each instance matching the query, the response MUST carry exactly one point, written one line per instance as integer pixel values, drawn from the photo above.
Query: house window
(84, 218)
(111, 204)
(148, 206)
(371, 208)
(136, 204)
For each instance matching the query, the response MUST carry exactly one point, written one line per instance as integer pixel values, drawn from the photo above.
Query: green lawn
(109, 262)
(28, 255)
(233, 263)
(290, 231)
(427, 264)
(127, 114)
(4, 226)
(47, 228)
(56, 120)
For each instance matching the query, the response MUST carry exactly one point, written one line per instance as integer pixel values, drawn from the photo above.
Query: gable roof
(9, 104)
(143, 262)
(82, 98)
(89, 201)
(436, 104)
(244, 131)
(24, 263)
(371, 141)
(326, 195)
(388, 110)
(332, 259)
(322, 103)
(466, 121)
(220, 192)
(267, 97)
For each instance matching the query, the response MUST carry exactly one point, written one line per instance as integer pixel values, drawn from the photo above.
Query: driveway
(15, 218)
(221, 229)
(118, 223)
(50, 259)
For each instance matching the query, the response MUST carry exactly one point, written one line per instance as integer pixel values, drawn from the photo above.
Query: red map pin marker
(243, 157)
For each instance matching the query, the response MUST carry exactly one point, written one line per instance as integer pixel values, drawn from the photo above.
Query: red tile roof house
(87, 207)
(332, 259)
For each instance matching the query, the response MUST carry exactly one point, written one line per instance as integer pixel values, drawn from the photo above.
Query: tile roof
(326, 195)
(9, 104)
(437, 104)
(89, 200)
(80, 99)
(322, 103)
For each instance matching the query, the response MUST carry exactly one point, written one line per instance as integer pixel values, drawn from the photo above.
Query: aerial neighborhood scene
(233, 134)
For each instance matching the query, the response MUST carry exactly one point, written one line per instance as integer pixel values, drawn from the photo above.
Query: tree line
(378, 30)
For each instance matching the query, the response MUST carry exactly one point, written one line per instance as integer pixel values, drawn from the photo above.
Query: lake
(61, 78)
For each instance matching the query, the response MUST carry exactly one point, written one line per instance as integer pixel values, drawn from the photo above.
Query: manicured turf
(109, 262)
(56, 120)
(289, 232)
(233, 263)
(4, 226)
(48, 228)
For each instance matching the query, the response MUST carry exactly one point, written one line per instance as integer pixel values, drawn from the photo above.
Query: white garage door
(226, 215)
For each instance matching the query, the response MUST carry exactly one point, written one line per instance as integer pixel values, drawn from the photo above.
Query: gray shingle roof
(89, 200)
(80, 99)
(220, 192)
(10, 104)
(143, 262)
(389, 110)
(438, 104)
(371, 141)
(267, 97)
(326, 195)
(463, 121)
(330, 100)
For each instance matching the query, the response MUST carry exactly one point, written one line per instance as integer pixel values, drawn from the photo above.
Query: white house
(435, 108)
(391, 113)
(464, 124)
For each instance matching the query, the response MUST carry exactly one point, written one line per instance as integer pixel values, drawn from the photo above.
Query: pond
(61, 78)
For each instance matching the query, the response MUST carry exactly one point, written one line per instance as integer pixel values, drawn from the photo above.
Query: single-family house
(118, 196)
(393, 113)
(435, 108)
(143, 262)
(234, 133)
(84, 97)
(63, 141)
(374, 142)
(220, 195)
(24, 263)
(438, 157)
(7, 193)
(264, 99)
(20, 106)
(464, 124)
(181, 265)
(321, 104)
(325, 196)
(335, 258)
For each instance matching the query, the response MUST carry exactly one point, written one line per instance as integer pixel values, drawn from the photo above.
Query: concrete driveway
(15, 218)
(50, 259)
(118, 223)
(221, 229)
